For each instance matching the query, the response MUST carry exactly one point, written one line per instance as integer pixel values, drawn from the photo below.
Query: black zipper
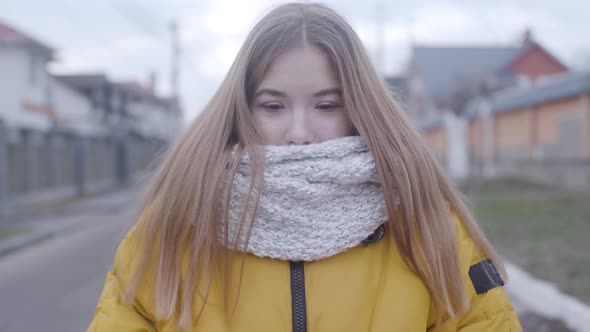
(298, 307)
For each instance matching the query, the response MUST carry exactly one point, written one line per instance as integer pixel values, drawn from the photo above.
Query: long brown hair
(185, 202)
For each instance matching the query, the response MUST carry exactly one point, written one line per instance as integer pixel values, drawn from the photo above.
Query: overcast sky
(126, 39)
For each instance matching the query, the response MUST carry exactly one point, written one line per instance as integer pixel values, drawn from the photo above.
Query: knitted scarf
(318, 200)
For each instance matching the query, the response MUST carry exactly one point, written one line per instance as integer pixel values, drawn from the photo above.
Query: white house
(25, 92)
(74, 111)
(63, 135)
(30, 97)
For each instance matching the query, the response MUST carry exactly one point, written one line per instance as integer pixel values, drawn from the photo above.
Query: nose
(299, 131)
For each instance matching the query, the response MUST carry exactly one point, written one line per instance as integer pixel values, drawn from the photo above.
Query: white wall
(74, 110)
(16, 88)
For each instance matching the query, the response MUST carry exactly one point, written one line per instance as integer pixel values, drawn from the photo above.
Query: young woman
(301, 199)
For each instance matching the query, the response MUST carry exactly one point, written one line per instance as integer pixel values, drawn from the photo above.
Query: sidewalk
(42, 225)
(540, 303)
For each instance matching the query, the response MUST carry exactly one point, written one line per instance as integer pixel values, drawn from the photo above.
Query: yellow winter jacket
(367, 288)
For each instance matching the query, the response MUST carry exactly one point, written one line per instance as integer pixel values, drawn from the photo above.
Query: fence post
(31, 172)
(122, 159)
(80, 165)
(3, 168)
(132, 155)
(54, 159)
(489, 163)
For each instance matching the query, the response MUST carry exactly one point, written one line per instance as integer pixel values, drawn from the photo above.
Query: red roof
(9, 33)
(6, 31)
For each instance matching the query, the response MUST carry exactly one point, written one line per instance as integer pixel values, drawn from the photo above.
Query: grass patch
(58, 205)
(541, 229)
(6, 233)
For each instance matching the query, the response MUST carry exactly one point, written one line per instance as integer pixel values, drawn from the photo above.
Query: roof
(83, 81)
(442, 68)
(551, 89)
(527, 46)
(12, 35)
(135, 88)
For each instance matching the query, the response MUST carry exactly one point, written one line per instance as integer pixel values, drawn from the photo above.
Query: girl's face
(299, 100)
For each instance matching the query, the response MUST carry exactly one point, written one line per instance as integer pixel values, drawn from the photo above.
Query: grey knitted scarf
(318, 200)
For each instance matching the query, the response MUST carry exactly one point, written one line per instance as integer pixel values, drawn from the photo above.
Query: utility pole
(410, 32)
(175, 62)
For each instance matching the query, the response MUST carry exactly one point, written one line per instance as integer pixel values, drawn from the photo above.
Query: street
(54, 286)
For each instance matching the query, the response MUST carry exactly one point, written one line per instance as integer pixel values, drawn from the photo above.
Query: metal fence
(44, 165)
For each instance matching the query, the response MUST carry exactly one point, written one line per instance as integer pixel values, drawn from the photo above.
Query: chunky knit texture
(318, 200)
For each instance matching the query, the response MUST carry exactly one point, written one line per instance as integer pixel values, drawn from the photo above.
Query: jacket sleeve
(111, 313)
(489, 311)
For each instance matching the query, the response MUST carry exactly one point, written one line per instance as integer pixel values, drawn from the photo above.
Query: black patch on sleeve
(483, 281)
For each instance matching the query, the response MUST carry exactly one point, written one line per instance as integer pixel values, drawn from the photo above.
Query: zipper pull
(376, 236)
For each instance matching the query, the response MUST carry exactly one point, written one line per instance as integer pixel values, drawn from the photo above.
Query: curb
(544, 299)
(23, 241)
(34, 237)
(40, 233)
(37, 236)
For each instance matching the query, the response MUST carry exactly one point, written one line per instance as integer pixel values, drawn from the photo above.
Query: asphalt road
(55, 285)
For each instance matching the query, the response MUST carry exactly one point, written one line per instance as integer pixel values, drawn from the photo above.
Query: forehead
(301, 69)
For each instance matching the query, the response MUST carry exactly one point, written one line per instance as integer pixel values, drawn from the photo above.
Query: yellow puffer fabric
(367, 288)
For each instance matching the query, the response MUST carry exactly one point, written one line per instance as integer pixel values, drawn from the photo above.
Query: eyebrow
(320, 93)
